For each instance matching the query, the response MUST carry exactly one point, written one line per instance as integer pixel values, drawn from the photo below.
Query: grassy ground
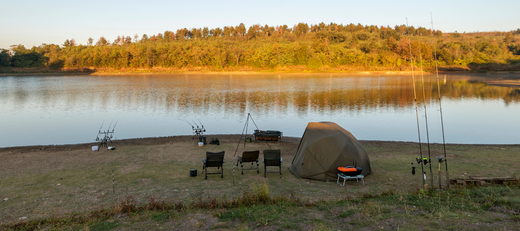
(43, 183)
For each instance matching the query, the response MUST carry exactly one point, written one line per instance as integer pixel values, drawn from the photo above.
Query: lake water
(43, 110)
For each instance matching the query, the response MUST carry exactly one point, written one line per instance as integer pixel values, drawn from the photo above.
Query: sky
(34, 22)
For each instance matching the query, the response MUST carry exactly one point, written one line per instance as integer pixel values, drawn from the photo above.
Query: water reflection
(222, 100)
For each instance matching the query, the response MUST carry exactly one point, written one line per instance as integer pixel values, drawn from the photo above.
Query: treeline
(318, 47)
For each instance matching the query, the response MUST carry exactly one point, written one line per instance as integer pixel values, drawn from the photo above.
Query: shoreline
(118, 73)
(267, 72)
(151, 141)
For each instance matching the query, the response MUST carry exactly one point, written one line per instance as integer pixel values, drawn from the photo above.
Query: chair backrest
(272, 157)
(214, 159)
(250, 156)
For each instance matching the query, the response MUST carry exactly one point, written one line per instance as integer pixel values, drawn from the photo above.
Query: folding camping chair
(272, 158)
(214, 159)
(249, 156)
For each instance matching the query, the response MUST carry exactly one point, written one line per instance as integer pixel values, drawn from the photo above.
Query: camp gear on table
(345, 178)
(350, 170)
(272, 158)
(269, 135)
(249, 157)
(214, 159)
(325, 146)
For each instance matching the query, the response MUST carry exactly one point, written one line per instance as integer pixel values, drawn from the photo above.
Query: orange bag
(343, 169)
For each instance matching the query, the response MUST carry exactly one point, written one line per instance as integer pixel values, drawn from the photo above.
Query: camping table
(345, 178)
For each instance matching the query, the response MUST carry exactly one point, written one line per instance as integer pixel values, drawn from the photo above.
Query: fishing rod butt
(447, 180)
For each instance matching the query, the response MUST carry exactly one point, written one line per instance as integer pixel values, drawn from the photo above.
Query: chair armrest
(263, 160)
(203, 160)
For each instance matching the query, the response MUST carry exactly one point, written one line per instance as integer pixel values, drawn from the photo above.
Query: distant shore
(509, 81)
(242, 70)
(113, 73)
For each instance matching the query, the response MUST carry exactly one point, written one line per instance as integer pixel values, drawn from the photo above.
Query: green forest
(321, 47)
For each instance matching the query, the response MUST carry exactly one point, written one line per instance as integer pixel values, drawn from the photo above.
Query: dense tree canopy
(330, 46)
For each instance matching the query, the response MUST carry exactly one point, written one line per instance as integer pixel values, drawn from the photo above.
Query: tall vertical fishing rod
(416, 110)
(426, 118)
(440, 107)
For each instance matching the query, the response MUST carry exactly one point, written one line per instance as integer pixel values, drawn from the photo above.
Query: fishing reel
(423, 160)
(199, 130)
(419, 161)
(440, 159)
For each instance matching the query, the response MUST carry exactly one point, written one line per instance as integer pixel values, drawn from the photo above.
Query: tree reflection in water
(222, 101)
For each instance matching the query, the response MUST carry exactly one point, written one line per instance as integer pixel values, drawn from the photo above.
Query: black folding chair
(249, 157)
(214, 159)
(272, 158)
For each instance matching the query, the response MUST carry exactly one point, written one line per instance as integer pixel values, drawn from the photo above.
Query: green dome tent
(324, 147)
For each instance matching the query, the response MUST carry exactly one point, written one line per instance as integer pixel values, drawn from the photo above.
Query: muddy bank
(150, 141)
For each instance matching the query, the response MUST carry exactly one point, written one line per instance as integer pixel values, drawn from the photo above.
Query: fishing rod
(203, 129)
(190, 124)
(426, 117)
(101, 126)
(109, 126)
(195, 123)
(440, 107)
(192, 128)
(416, 110)
(114, 126)
(99, 132)
(197, 131)
(107, 135)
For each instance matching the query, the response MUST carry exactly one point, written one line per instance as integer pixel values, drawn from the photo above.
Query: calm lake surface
(43, 110)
